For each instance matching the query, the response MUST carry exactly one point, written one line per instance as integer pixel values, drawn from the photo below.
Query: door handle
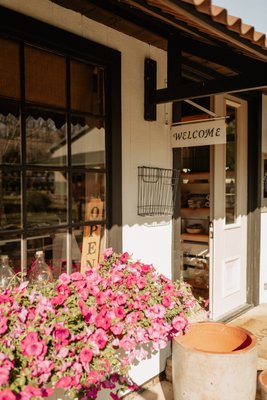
(211, 230)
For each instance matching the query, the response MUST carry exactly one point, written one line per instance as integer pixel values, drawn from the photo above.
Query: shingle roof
(232, 23)
(210, 19)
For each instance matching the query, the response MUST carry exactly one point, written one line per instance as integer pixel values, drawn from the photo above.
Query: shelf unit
(195, 212)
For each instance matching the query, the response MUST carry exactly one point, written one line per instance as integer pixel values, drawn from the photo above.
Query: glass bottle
(8, 277)
(40, 273)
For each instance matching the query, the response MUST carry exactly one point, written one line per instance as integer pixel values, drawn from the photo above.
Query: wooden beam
(150, 83)
(220, 55)
(210, 87)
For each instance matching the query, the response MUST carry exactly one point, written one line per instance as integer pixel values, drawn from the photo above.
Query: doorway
(214, 214)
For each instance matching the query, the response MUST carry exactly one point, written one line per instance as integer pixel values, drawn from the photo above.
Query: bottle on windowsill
(40, 273)
(8, 278)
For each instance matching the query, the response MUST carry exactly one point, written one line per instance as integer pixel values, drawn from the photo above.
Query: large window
(54, 156)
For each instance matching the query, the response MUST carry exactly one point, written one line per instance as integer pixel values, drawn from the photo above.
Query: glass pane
(46, 198)
(43, 243)
(10, 142)
(60, 252)
(230, 173)
(54, 246)
(45, 77)
(46, 136)
(12, 248)
(88, 142)
(55, 249)
(9, 69)
(88, 196)
(87, 88)
(10, 199)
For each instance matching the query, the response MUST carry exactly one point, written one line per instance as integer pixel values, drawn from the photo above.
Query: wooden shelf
(195, 213)
(195, 176)
(195, 237)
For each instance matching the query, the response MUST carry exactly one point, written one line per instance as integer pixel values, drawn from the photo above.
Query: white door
(228, 244)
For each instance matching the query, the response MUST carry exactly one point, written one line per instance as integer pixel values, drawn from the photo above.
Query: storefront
(89, 94)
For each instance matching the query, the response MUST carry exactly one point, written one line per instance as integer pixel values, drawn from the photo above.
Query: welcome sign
(200, 133)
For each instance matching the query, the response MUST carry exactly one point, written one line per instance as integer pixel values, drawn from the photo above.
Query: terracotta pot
(214, 361)
(263, 384)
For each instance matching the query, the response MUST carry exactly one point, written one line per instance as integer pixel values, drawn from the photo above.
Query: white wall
(143, 143)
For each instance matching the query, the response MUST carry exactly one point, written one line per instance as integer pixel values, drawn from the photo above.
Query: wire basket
(157, 189)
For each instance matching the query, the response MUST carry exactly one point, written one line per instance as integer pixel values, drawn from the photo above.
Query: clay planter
(214, 361)
(263, 384)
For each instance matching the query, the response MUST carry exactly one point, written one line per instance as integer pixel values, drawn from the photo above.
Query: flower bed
(84, 331)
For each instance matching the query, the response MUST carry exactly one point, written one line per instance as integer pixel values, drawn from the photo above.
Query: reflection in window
(46, 198)
(88, 142)
(88, 196)
(230, 170)
(10, 199)
(11, 247)
(10, 141)
(46, 134)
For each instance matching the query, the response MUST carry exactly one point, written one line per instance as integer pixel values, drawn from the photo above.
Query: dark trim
(211, 87)
(254, 198)
(150, 82)
(26, 29)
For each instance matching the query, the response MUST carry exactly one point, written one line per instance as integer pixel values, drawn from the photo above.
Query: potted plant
(83, 332)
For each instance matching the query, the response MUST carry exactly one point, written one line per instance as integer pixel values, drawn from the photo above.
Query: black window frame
(28, 30)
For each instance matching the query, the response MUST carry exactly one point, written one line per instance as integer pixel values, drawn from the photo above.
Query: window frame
(30, 31)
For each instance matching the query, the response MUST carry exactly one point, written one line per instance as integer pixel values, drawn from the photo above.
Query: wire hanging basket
(157, 189)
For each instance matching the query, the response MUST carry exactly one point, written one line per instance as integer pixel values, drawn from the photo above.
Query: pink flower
(107, 253)
(102, 322)
(83, 307)
(156, 311)
(76, 276)
(4, 298)
(166, 301)
(93, 377)
(108, 384)
(3, 325)
(117, 328)
(7, 394)
(121, 298)
(100, 338)
(119, 312)
(34, 349)
(146, 268)
(4, 376)
(127, 343)
(141, 283)
(64, 278)
(141, 335)
(59, 299)
(124, 257)
(63, 289)
(30, 337)
(61, 335)
(92, 393)
(100, 298)
(179, 323)
(86, 355)
(23, 315)
(64, 382)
